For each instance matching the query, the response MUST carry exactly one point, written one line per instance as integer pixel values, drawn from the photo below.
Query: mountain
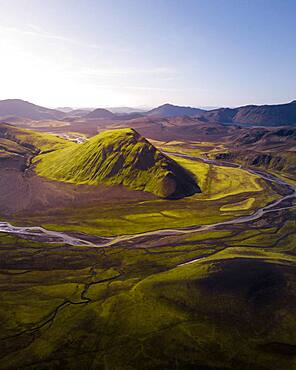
(119, 157)
(125, 110)
(258, 115)
(101, 113)
(269, 148)
(169, 110)
(24, 109)
(267, 137)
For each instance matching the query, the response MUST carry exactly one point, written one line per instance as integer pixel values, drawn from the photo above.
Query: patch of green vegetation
(243, 205)
(41, 141)
(217, 182)
(23, 140)
(202, 235)
(192, 148)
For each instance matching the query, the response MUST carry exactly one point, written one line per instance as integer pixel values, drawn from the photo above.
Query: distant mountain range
(253, 115)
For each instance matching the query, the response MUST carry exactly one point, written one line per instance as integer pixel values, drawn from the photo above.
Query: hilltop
(101, 113)
(119, 157)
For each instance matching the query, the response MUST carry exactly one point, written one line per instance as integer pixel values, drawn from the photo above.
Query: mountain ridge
(257, 115)
(268, 115)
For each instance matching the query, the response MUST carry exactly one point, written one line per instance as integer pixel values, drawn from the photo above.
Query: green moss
(118, 157)
(232, 309)
(23, 140)
(243, 205)
(41, 141)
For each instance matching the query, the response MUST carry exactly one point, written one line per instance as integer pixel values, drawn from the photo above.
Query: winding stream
(44, 235)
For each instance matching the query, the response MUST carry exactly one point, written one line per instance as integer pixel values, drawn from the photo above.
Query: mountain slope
(32, 140)
(260, 115)
(24, 109)
(169, 110)
(119, 157)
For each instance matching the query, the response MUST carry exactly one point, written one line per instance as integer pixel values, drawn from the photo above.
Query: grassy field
(135, 306)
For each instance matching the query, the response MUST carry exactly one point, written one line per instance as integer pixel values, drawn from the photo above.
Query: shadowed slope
(119, 157)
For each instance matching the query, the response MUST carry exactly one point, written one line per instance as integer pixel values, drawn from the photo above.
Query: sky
(135, 53)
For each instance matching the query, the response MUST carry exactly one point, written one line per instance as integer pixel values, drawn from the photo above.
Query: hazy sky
(140, 52)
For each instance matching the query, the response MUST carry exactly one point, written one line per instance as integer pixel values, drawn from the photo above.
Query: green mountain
(119, 157)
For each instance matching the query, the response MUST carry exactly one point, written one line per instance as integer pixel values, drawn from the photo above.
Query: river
(49, 236)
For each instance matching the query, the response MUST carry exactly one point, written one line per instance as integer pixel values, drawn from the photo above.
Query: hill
(119, 157)
(36, 142)
(169, 110)
(259, 115)
(101, 113)
(24, 109)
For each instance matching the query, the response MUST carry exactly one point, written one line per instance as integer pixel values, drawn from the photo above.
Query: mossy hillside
(42, 142)
(7, 145)
(21, 140)
(119, 157)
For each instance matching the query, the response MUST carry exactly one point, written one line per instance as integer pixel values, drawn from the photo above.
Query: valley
(147, 185)
(111, 243)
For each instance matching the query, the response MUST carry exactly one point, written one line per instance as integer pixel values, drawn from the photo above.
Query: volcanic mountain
(119, 157)
(24, 109)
